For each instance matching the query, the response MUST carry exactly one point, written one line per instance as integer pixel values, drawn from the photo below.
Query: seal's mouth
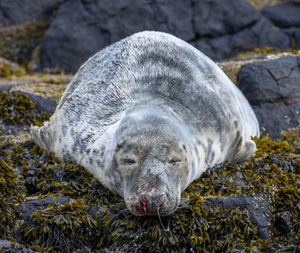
(146, 204)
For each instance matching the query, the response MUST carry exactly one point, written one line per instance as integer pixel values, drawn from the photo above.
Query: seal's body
(146, 116)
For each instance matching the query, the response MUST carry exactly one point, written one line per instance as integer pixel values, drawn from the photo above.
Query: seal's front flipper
(41, 136)
(247, 150)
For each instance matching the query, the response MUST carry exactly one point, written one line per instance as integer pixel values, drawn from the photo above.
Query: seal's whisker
(184, 203)
(168, 229)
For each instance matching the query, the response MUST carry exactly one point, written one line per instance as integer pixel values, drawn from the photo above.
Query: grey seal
(146, 116)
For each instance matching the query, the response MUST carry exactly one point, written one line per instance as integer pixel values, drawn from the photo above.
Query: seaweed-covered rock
(221, 211)
(257, 206)
(63, 226)
(9, 69)
(273, 89)
(11, 188)
(26, 208)
(18, 110)
(22, 26)
(284, 15)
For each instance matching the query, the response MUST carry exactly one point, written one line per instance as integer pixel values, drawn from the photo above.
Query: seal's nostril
(158, 197)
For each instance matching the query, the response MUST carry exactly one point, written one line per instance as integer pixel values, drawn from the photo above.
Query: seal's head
(150, 163)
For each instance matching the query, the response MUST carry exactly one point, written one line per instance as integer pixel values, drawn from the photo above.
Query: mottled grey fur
(146, 116)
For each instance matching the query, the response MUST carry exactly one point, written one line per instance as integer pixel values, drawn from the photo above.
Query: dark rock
(273, 89)
(257, 206)
(284, 15)
(22, 11)
(282, 223)
(215, 18)
(100, 23)
(35, 205)
(260, 34)
(76, 29)
(14, 130)
(297, 38)
(9, 247)
(43, 104)
(233, 26)
(27, 207)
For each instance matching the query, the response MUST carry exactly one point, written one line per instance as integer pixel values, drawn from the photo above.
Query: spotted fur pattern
(150, 75)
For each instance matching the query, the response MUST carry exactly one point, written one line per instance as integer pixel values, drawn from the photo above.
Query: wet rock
(257, 206)
(273, 89)
(9, 247)
(284, 15)
(27, 207)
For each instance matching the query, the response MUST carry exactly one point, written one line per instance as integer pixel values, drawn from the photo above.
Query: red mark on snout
(143, 202)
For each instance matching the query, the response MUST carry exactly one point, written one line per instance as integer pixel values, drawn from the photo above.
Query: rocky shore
(47, 205)
(51, 205)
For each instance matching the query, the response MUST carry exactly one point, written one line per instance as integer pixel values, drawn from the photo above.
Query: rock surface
(273, 89)
(259, 34)
(52, 33)
(216, 18)
(284, 15)
(11, 247)
(24, 11)
(232, 26)
(100, 23)
(256, 205)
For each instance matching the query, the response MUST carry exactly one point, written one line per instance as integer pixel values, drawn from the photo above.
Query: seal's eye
(174, 161)
(128, 161)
